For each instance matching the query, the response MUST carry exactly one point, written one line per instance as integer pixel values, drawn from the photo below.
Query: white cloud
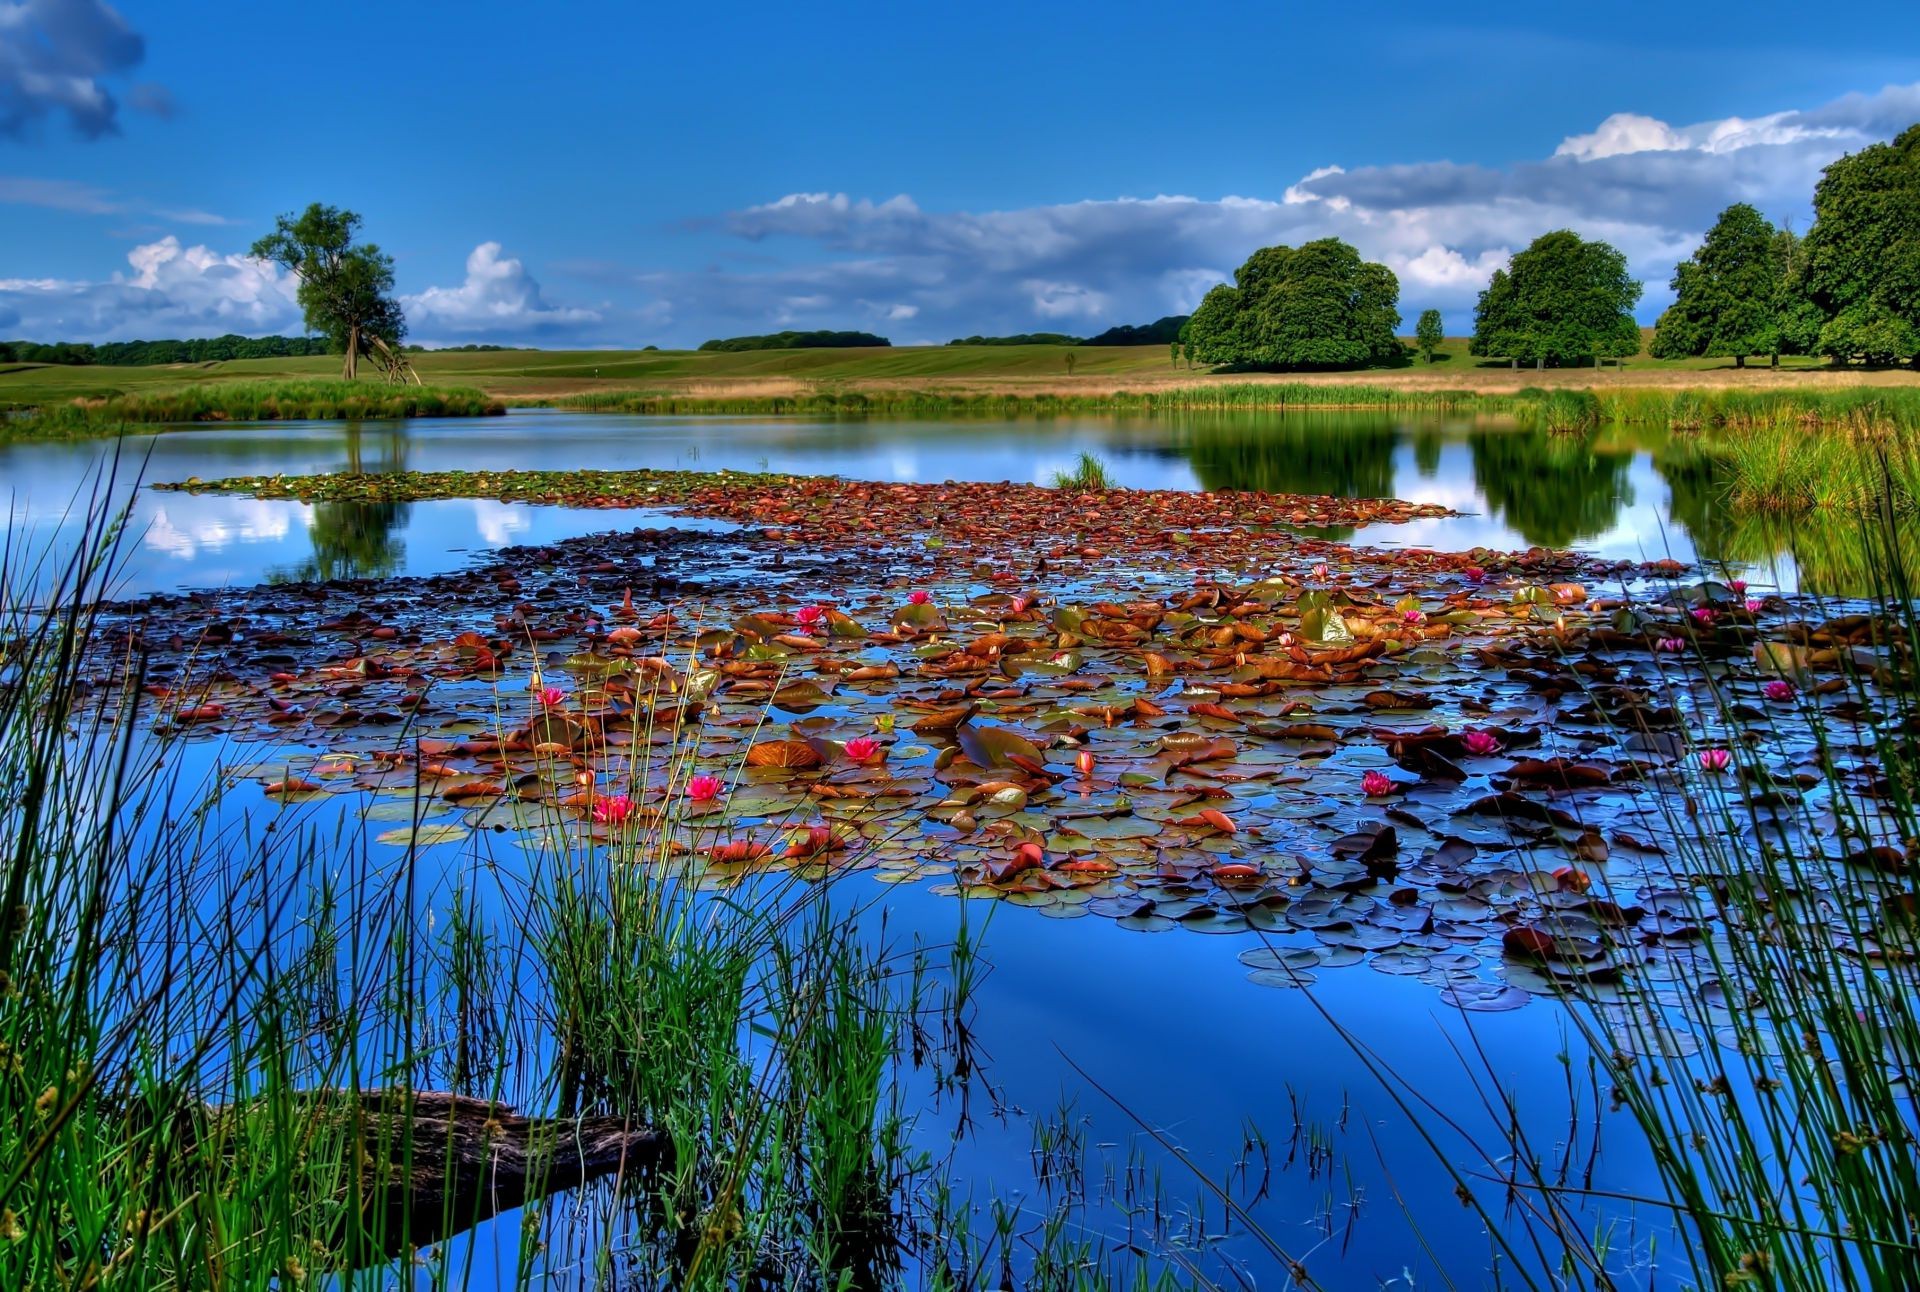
(499, 298)
(1623, 132)
(55, 56)
(173, 291)
(1645, 185)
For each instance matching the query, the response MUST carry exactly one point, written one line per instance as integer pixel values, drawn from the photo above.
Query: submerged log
(432, 1163)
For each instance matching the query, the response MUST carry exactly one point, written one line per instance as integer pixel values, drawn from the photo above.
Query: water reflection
(357, 540)
(1626, 494)
(1553, 490)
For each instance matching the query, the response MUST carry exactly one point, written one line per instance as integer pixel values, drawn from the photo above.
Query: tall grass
(1089, 475)
(932, 402)
(1782, 1134)
(216, 1038)
(248, 401)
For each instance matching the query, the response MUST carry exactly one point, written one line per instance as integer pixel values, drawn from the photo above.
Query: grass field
(530, 376)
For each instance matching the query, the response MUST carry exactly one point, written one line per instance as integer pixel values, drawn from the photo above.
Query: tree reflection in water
(357, 540)
(1552, 490)
(1345, 455)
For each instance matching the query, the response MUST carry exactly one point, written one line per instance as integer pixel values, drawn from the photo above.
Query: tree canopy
(1318, 306)
(796, 341)
(346, 288)
(1564, 300)
(1863, 252)
(1733, 296)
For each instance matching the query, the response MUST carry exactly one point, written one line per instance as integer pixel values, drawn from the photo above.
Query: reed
(933, 402)
(1089, 475)
(248, 401)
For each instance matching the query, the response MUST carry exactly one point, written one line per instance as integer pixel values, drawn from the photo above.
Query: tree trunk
(1540, 364)
(347, 369)
(1514, 364)
(1739, 360)
(1773, 360)
(433, 1164)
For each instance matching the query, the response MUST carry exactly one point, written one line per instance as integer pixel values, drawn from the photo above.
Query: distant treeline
(140, 354)
(469, 348)
(796, 341)
(1159, 332)
(1020, 338)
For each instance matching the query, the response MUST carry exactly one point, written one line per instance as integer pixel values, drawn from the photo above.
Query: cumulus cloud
(171, 291)
(55, 59)
(499, 298)
(1648, 186)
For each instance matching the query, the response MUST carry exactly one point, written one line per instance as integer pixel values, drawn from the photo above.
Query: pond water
(1177, 1037)
(1628, 496)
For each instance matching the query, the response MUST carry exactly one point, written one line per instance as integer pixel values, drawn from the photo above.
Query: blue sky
(618, 174)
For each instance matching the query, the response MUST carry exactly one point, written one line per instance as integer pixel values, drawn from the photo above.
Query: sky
(596, 174)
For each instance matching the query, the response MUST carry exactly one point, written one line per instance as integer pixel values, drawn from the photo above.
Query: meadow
(534, 376)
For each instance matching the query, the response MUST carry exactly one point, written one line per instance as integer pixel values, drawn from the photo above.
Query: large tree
(1728, 292)
(1317, 306)
(1863, 252)
(1562, 301)
(346, 288)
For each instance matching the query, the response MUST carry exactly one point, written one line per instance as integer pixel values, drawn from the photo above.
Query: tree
(1428, 333)
(1562, 301)
(1728, 295)
(1319, 306)
(346, 289)
(1863, 253)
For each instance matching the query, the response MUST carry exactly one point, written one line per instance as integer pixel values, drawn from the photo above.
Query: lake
(1124, 1042)
(1622, 496)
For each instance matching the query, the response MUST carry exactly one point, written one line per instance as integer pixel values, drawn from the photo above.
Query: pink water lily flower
(1755, 605)
(552, 697)
(1481, 744)
(1702, 614)
(705, 788)
(1778, 689)
(861, 749)
(1414, 616)
(1737, 585)
(1376, 784)
(1474, 573)
(1320, 571)
(810, 617)
(919, 597)
(1672, 645)
(1715, 760)
(613, 809)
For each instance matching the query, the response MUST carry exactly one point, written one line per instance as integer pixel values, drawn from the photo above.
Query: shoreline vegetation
(1556, 405)
(251, 401)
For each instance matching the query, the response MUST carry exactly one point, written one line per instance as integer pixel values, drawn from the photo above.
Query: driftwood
(432, 1164)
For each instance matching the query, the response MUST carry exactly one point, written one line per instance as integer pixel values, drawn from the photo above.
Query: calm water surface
(1168, 1024)
(1622, 498)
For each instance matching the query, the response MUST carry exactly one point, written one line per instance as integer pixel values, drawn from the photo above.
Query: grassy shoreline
(1556, 407)
(259, 401)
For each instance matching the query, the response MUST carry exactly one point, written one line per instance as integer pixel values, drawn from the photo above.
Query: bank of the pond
(1560, 408)
(275, 401)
